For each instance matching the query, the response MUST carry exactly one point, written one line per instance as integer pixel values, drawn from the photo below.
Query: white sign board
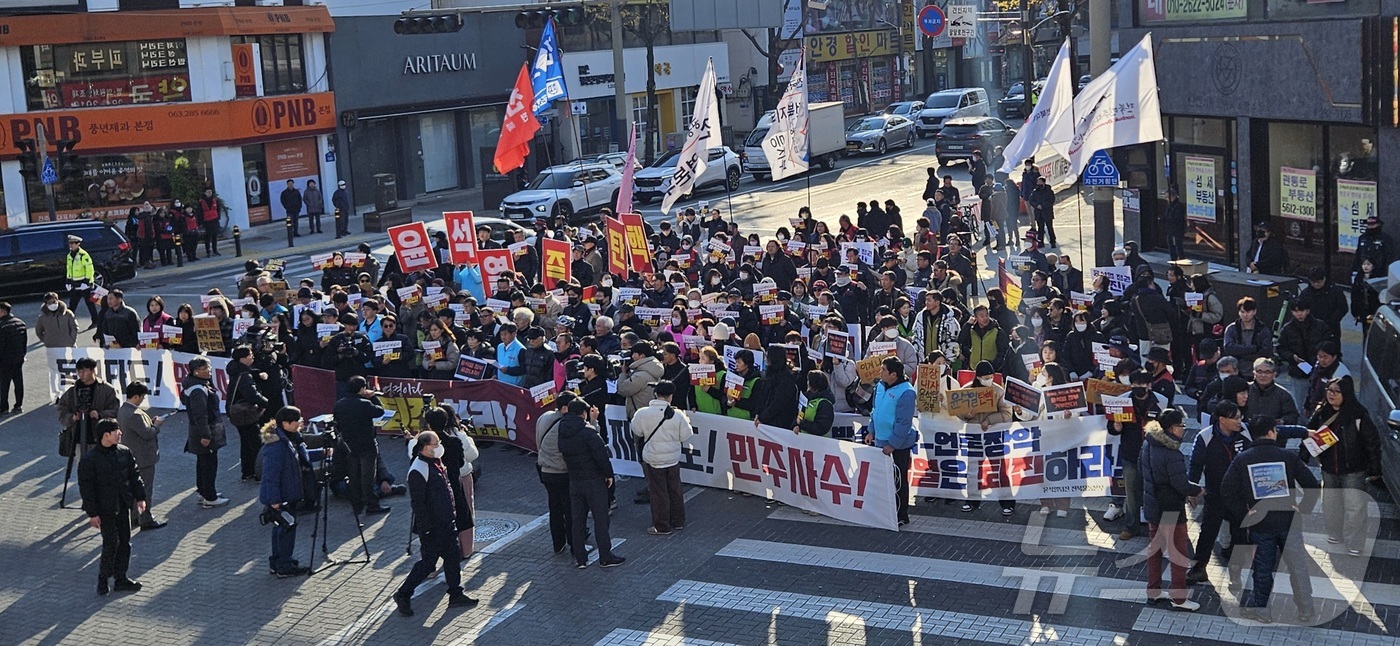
(962, 21)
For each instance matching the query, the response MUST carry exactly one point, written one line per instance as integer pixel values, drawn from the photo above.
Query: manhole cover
(490, 529)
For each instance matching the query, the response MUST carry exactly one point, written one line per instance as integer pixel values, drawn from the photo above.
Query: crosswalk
(955, 578)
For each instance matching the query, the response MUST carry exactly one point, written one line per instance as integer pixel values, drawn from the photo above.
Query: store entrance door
(438, 136)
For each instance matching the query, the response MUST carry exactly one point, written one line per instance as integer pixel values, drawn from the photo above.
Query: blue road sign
(1101, 171)
(932, 21)
(50, 174)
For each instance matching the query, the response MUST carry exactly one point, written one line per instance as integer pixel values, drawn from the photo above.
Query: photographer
(594, 387)
(347, 353)
(284, 459)
(246, 407)
(354, 416)
(87, 401)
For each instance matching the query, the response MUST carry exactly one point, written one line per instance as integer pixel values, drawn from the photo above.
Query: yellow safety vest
(80, 267)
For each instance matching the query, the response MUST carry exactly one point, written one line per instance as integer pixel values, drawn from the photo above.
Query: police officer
(80, 277)
(1373, 243)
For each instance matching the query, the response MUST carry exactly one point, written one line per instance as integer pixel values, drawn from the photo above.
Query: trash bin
(386, 192)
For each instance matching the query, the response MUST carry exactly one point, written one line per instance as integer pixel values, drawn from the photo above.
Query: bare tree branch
(756, 46)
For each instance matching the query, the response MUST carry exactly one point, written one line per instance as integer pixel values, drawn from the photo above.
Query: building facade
(1276, 113)
(158, 107)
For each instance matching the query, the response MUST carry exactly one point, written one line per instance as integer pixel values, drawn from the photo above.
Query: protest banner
(971, 401)
(1062, 458)
(1119, 409)
(499, 411)
(618, 258)
(160, 370)
(556, 266)
(494, 262)
(206, 332)
(1119, 278)
(413, 247)
(844, 480)
(470, 368)
(461, 236)
(733, 384)
(771, 314)
(702, 374)
(730, 351)
(1096, 389)
(638, 250)
(1065, 397)
(411, 295)
(1023, 395)
(929, 385)
(1010, 286)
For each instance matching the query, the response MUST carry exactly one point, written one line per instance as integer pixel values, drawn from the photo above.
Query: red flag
(556, 262)
(617, 248)
(637, 248)
(461, 236)
(519, 127)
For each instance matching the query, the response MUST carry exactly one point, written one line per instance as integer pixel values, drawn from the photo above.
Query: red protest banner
(412, 246)
(556, 264)
(494, 262)
(461, 236)
(617, 247)
(637, 249)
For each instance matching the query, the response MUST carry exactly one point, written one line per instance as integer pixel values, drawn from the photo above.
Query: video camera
(279, 517)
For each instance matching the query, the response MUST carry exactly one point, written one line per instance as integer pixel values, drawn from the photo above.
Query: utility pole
(1100, 52)
(41, 141)
(622, 108)
(1027, 59)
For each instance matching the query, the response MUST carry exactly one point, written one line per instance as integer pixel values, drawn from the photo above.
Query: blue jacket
(469, 278)
(893, 416)
(508, 356)
(282, 460)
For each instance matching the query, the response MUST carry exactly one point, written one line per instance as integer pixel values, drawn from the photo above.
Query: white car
(951, 104)
(569, 190)
(722, 169)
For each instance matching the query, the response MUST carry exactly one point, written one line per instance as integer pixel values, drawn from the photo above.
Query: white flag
(786, 143)
(1055, 98)
(1119, 108)
(703, 134)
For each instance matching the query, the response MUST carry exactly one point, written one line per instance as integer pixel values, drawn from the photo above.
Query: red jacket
(209, 209)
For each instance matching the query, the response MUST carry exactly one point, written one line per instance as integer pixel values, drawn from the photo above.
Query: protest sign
(771, 314)
(1096, 389)
(765, 293)
(148, 340)
(930, 397)
(470, 368)
(733, 384)
(355, 259)
(1119, 278)
(556, 266)
(638, 249)
(868, 369)
(963, 402)
(388, 350)
(618, 258)
(174, 334)
(1118, 408)
(412, 247)
(433, 350)
(702, 374)
(322, 261)
(882, 348)
(461, 236)
(837, 343)
(543, 394)
(1023, 395)
(411, 295)
(206, 332)
(1065, 397)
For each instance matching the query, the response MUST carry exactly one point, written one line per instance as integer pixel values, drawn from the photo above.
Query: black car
(1013, 105)
(33, 258)
(963, 136)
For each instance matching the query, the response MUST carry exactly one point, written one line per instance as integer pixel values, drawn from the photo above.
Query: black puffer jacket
(430, 494)
(779, 399)
(1165, 486)
(583, 449)
(108, 480)
(1358, 445)
(538, 364)
(14, 340)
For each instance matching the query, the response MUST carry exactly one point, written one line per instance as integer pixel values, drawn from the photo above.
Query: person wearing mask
(1202, 322)
(1248, 338)
(1158, 364)
(354, 416)
(1212, 452)
(1328, 300)
(1296, 348)
(675, 371)
(710, 399)
(590, 475)
(435, 523)
(1346, 465)
(206, 431)
(904, 350)
(1271, 520)
(340, 201)
(80, 277)
(57, 327)
(1042, 203)
(1266, 397)
(984, 340)
(209, 209)
(554, 472)
(141, 434)
(1327, 367)
(536, 360)
(1001, 414)
(663, 431)
(1166, 491)
(1147, 407)
(14, 344)
(1266, 255)
(892, 427)
(1067, 278)
(285, 462)
(243, 391)
(112, 491)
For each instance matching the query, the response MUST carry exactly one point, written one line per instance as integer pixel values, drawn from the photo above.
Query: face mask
(1080, 327)
(1035, 322)
(694, 304)
(1118, 262)
(437, 452)
(743, 275)
(716, 281)
(607, 282)
(573, 300)
(675, 322)
(782, 238)
(1123, 380)
(668, 273)
(985, 381)
(685, 244)
(891, 333)
(1064, 267)
(1139, 391)
(53, 307)
(843, 280)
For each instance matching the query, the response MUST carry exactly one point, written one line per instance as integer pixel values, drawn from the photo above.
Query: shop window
(1202, 151)
(87, 75)
(283, 62)
(1293, 9)
(111, 184)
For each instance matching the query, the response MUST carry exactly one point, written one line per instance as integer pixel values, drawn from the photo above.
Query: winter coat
(108, 481)
(1298, 341)
(1211, 454)
(549, 459)
(282, 462)
(1358, 448)
(634, 384)
(122, 324)
(711, 399)
(937, 332)
(243, 387)
(104, 401)
(537, 366)
(445, 367)
(778, 403)
(818, 416)
(201, 402)
(14, 340)
(1165, 486)
(1145, 410)
(1212, 311)
(139, 435)
(1273, 402)
(583, 450)
(1248, 345)
(431, 496)
(663, 438)
(313, 199)
(57, 329)
(892, 418)
(1238, 488)
(291, 201)
(984, 344)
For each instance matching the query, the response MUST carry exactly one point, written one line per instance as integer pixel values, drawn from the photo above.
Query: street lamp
(899, 55)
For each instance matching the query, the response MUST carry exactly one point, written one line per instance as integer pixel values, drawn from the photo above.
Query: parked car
(618, 160)
(907, 109)
(33, 258)
(1013, 105)
(961, 137)
(502, 228)
(879, 133)
(722, 169)
(1084, 80)
(570, 190)
(951, 104)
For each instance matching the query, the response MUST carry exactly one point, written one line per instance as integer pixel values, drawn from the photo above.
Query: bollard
(179, 251)
(339, 226)
(237, 242)
(289, 232)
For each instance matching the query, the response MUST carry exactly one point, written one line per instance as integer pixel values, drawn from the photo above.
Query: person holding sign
(708, 391)
(742, 403)
(1001, 414)
(1346, 464)
(1212, 452)
(440, 352)
(1147, 406)
(892, 426)
(1262, 486)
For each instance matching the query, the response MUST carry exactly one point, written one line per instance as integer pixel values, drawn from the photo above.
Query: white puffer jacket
(663, 438)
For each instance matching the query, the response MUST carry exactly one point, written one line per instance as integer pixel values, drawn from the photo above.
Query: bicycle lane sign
(1100, 171)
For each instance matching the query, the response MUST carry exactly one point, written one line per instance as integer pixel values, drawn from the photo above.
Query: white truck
(826, 139)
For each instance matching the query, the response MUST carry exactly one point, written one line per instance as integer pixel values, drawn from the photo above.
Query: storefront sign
(590, 75)
(1174, 10)
(247, 69)
(437, 63)
(1356, 201)
(825, 48)
(1297, 197)
(128, 91)
(115, 26)
(295, 160)
(1200, 189)
(159, 127)
(162, 54)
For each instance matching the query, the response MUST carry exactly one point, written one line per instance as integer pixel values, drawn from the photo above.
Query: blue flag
(547, 74)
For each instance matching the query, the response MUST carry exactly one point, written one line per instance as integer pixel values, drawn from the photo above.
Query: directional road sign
(50, 174)
(932, 21)
(1100, 171)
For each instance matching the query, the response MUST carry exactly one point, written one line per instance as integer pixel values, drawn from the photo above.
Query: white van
(951, 104)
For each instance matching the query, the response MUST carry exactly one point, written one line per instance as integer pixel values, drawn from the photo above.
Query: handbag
(65, 442)
(243, 413)
(218, 437)
(1158, 333)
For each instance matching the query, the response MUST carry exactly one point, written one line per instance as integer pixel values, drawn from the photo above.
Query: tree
(774, 51)
(648, 20)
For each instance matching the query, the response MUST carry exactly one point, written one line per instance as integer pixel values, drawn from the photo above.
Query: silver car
(878, 133)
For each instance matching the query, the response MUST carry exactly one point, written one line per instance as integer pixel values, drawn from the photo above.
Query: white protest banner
(1064, 458)
(160, 370)
(785, 146)
(865, 249)
(844, 480)
(1118, 108)
(1119, 278)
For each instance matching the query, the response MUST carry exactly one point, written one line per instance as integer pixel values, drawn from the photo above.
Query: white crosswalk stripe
(625, 637)
(1198, 626)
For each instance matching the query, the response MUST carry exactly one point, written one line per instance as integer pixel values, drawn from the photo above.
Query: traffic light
(28, 158)
(535, 18)
(444, 24)
(70, 165)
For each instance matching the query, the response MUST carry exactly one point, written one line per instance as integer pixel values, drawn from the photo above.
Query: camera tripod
(319, 524)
